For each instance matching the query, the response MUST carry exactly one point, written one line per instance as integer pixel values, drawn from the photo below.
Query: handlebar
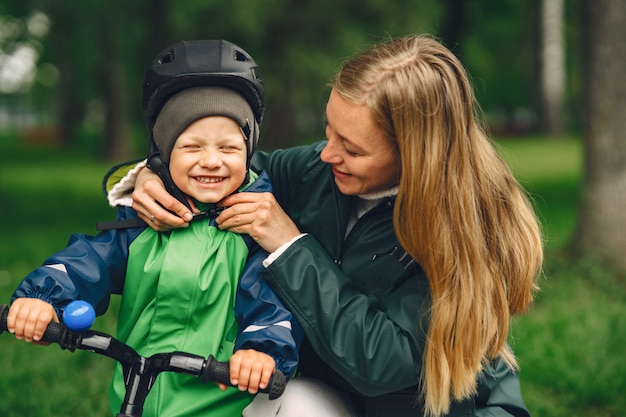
(140, 372)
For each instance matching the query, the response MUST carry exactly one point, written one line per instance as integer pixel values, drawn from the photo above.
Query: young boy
(197, 289)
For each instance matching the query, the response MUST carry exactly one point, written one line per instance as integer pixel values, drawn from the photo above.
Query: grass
(45, 195)
(550, 170)
(570, 345)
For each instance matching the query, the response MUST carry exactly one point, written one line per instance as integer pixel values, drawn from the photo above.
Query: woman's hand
(260, 216)
(152, 202)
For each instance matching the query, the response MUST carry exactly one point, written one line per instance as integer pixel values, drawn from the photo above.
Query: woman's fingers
(158, 208)
(260, 216)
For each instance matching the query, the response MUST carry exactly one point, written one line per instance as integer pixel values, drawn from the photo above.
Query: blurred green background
(71, 72)
(70, 88)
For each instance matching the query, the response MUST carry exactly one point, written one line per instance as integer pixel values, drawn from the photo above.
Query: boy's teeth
(208, 180)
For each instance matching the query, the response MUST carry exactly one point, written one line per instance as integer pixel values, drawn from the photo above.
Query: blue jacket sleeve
(89, 268)
(265, 324)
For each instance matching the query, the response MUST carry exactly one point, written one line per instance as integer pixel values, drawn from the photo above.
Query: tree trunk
(116, 140)
(71, 109)
(601, 229)
(453, 24)
(115, 143)
(552, 67)
(158, 27)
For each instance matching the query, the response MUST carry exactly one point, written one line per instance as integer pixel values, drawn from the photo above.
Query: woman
(403, 244)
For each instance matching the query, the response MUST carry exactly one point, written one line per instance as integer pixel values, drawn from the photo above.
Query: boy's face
(208, 161)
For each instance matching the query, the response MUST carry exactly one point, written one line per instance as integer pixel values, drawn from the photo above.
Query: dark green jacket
(359, 298)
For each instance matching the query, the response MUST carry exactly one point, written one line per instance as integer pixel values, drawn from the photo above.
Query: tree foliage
(101, 49)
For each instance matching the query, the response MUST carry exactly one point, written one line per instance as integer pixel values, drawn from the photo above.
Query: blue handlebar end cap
(79, 315)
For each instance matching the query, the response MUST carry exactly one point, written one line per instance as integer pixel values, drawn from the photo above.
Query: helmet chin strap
(248, 133)
(157, 165)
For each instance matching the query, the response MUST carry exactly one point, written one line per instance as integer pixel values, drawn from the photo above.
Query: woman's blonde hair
(460, 213)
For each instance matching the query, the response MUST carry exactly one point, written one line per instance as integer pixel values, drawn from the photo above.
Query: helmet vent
(187, 64)
(239, 56)
(167, 58)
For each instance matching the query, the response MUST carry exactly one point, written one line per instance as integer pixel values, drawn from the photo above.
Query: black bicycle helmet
(200, 63)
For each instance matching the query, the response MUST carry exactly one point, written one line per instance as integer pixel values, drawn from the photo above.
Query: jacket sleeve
(372, 341)
(499, 392)
(89, 268)
(265, 324)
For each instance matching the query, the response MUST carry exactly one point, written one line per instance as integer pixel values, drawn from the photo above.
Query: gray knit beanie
(191, 104)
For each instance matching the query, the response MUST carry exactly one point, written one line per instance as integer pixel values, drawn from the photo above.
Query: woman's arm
(374, 341)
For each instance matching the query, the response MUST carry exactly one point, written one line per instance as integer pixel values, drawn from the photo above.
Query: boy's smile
(208, 161)
(206, 180)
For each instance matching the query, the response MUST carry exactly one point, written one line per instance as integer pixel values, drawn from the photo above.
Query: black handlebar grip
(220, 372)
(4, 313)
(55, 333)
(216, 371)
(277, 384)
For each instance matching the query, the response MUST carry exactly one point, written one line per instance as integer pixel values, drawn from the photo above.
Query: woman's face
(363, 161)
(208, 161)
